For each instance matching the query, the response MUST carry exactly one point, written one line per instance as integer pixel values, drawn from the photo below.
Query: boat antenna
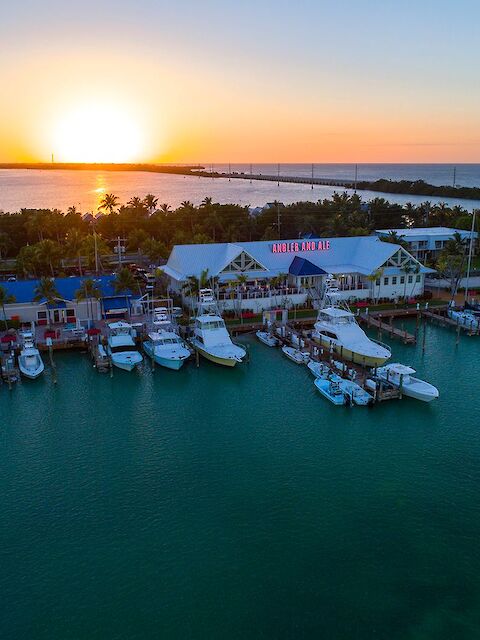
(470, 251)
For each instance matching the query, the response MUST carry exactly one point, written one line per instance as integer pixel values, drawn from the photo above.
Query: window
(410, 279)
(438, 244)
(402, 279)
(385, 281)
(70, 314)
(41, 315)
(417, 279)
(377, 282)
(394, 280)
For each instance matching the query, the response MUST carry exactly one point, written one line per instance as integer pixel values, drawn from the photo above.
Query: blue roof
(115, 303)
(24, 290)
(303, 267)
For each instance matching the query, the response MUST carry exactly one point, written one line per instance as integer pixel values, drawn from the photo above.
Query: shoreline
(418, 188)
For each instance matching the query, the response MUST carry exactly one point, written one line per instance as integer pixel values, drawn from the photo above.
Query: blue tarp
(24, 290)
(115, 303)
(303, 267)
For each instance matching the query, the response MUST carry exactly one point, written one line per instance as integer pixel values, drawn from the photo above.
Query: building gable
(243, 262)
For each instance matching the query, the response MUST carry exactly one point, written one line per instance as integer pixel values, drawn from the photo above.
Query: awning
(303, 267)
(117, 304)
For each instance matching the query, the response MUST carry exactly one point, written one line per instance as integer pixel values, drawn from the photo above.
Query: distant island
(420, 188)
(103, 166)
(401, 187)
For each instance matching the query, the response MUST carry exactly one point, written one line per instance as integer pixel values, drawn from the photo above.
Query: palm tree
(74, 242)
(165, 208)
(48, 253)
(395, 238)
(407, 269)
(124, 281)
(47, 290)
(108, 203)
(5, 244)
(137, 205)
(150, 202)
(88, 291)
(5, 298)
(373, 277)
(192, 285)
(72, 210)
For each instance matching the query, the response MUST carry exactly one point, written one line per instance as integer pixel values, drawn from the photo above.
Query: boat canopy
(335, 312)
(118, 326)
(121, 341)
(400, 369)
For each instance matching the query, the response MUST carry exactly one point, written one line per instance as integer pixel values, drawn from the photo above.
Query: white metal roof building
(305, 262)
(426, 242)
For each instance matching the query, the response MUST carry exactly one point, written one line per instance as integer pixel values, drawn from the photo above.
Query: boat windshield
(169, 341)
(123, 347)
(213, 324)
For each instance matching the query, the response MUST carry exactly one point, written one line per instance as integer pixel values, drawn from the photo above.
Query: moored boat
(400, 376)
(267, 338)
(210, 336)
(121, 347)
(295, 355)
(167, 349)
(319, 369)
(337, 329)
(355, 393)
(330, 388)
(30, 361)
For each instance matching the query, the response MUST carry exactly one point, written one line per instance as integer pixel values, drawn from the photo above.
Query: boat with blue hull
(331, 390)
(167, 349)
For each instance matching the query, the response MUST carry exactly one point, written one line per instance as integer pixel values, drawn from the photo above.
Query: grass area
(312, 313)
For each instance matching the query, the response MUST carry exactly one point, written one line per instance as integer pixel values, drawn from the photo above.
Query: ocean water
(214, 503)
(85, 189)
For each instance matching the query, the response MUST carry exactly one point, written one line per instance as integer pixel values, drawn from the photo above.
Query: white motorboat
(295, 355)
(210, 336)
(30, 361)
(337, 329)
(400, 376)
(319, 369)
(267, 338)
(160, 318)
(355, 393)
(465, 318)
(121, 347)
(167, 349)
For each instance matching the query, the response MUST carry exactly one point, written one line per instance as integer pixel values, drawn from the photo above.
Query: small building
(426, 243)
(287, 272)
(65, 309)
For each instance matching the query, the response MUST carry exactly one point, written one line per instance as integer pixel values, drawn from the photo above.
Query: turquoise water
(214, 503)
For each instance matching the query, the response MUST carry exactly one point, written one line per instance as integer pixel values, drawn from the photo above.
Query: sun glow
(98, 133)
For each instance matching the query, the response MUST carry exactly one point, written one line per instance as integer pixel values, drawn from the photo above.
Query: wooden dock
(377, 322)
(444, 321)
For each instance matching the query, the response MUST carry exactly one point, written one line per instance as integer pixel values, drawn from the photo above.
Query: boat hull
(323, 387)
(29, 372)
(226, 362)
(418, 395)
(352, 356)
(169, 363)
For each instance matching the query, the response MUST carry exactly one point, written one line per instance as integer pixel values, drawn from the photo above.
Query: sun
(98, 133)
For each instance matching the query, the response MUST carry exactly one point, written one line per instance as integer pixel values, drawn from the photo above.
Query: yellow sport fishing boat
(337, 329)
(210, 336)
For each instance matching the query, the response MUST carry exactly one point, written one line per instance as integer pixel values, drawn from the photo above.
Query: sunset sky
(251, 81)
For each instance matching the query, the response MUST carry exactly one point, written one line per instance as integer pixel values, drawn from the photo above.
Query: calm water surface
(213, 503)
(85, 189)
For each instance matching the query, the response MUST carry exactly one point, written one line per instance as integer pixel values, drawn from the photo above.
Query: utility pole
(278, 219)
(96, 249)
(120, 246)
(470, 251)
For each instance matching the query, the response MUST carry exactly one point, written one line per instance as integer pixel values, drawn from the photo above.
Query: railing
(255, 294)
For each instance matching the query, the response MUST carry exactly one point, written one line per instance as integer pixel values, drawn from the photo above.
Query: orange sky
(215, 87)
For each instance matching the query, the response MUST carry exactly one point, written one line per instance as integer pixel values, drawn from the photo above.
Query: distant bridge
(329, 182)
